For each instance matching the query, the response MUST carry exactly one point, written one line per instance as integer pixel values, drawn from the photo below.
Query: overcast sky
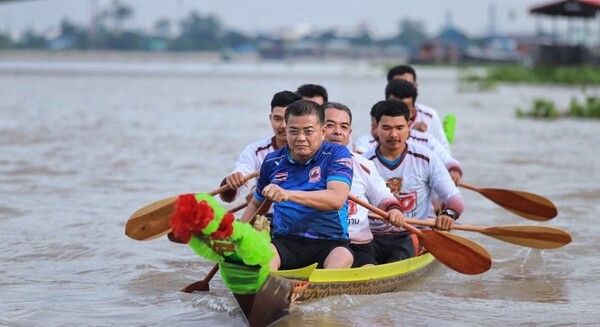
(381, 16)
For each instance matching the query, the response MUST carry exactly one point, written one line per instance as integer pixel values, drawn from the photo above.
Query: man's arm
(332, 198)
(250, 210)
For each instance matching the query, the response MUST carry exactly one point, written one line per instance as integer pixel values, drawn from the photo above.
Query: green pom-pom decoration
(243, 279)
(203, 250)
(219, 212)
(251, 247)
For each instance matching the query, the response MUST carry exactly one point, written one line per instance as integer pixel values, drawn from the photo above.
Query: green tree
(199, 33)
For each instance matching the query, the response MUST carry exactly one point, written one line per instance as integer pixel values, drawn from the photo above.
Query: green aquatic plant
(589, 108)
(541, 108)
(583, 75)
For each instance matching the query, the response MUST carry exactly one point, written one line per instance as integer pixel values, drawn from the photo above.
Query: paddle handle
(431, 223)
(469, 187)
(381, 213)
(226, 187)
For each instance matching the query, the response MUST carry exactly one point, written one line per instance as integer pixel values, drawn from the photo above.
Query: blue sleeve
(341, 168)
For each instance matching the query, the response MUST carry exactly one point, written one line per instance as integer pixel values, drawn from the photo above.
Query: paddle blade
(539, 237)
(201, 286)
(151, 221)
(524, 204)
(457, 253)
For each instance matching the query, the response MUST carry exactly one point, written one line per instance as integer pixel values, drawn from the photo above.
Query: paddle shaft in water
(457, 253)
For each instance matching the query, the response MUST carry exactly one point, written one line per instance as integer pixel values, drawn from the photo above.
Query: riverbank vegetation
(584, 75)
(543, 108)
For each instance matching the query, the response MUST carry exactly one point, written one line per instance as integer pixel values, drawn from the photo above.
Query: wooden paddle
(538, 237)
(153, 220)
(524, 204)
(202, 285)
(455, 252)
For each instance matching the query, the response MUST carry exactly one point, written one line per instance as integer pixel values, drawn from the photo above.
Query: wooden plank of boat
(384, 278)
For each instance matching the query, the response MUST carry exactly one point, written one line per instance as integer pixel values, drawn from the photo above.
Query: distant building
(553, 49)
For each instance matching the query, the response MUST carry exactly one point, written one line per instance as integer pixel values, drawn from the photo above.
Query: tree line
(197, 32)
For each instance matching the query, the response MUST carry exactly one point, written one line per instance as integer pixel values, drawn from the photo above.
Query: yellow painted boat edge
(359, 274)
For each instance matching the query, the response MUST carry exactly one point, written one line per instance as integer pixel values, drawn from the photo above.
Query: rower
(253, 155)
(426, 119)
(313, 92)
(412, 172)
(406, 92)
(309, 182)
(367, 184)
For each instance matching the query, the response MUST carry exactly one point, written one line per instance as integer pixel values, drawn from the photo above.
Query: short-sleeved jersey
(412, 180)
(367, 185)
(436, 147)
(249, 161)
(332, 162)
(365, 143)
(430, 117)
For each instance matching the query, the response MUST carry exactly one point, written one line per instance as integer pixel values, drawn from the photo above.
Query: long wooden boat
(384, 278)
(284, 287)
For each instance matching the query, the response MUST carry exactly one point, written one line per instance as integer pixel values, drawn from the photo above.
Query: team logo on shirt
(345, 162)
(408, 201)
(351, 208)
(280, 177)
(314, 175)
(395, 185)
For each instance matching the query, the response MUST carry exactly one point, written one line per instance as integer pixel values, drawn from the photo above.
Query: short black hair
(401, 70)
(374, 108)
(338, 106)
(284, 99)
(401, 89)
(312, 90)
(305, 108)
(393, 108)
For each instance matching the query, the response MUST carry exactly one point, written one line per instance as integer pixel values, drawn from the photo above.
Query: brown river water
(85, 143)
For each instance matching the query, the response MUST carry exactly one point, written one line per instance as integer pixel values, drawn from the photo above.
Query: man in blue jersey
(309, 181)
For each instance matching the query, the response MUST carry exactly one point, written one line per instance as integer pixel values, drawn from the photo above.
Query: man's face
(277, 118)
(304, 136)
(318, 99)
(393, 132)
(337, 126)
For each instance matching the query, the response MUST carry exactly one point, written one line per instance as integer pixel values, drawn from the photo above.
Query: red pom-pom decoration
(190, 216)
(204, 215)
(225, 228)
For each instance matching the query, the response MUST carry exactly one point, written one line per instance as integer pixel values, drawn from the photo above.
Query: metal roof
(569, 8)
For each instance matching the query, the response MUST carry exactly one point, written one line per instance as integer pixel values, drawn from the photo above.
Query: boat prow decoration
(275, 298)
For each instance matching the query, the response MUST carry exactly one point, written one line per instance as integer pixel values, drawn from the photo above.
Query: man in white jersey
(368, 142)
(412, 172)
(367, 184)
(426, 119)
(313, 92)
(253, 155)
(406, 92)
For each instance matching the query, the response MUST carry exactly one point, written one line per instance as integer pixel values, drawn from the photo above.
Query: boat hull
(384, 278)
